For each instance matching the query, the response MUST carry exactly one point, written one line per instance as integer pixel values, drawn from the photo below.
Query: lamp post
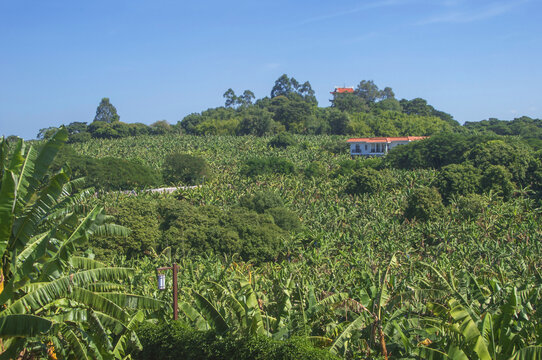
(162, 286)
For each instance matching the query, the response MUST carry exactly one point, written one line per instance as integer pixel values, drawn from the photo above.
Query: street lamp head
(161, 282)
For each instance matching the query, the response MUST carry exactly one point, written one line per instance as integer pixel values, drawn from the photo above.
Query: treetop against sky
(164, 59)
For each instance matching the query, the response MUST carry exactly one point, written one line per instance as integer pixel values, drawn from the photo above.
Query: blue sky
(165, 59)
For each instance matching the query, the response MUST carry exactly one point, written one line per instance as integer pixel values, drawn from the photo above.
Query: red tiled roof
(386, 139)
(340, 90)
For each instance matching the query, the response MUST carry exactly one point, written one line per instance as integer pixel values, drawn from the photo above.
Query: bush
(261, 201)
(285, 218)
(268, 165)
(184, 168)
(315, 170)
(107, 173)
(120, 174)
(514, 156)
(338, 147)
(497, 179)
(424, 204)
(471, 206)
(437, 151)
(177, 340)
(369, 181)
(141, 216)
(198, 230)
(282, 140)
(458, 179)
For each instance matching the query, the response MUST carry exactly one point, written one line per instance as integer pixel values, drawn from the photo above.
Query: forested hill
(292, 107)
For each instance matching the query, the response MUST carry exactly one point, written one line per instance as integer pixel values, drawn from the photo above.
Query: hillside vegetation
(415, 254)
(287, 247)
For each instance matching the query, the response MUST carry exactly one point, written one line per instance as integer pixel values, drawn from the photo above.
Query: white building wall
(365, 148)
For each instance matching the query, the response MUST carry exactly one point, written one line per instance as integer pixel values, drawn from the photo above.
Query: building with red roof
(378, 146)
(342, 90)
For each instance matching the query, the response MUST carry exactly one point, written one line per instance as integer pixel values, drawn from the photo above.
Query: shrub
(437, 151)
(282, 140)
(471, 206)
(514, 156)
(284, 218)
(458, 179)
(120, 174)
(369, 181)
(497, 179)
(315, 170)
(424, 204)
(268, 165)
(338, 147)
(141, 216)
(261, 201)
(184, 168)
(177, 340)
(108, 173)
(198, 230)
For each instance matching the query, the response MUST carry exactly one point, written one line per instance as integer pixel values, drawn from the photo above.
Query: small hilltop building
(342, 90)
(378, 146)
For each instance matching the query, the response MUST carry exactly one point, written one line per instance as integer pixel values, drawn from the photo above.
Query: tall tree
(283, 86)
(106, 112)
(368, 91)
(231, 98)
(247, 98)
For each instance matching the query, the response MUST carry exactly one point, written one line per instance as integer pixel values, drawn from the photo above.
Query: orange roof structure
(386, 139)
(343, 90)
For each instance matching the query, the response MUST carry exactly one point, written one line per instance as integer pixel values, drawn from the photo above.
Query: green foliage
(315, 170)
(524, 127)
(458, 179)
(437, 151)
(46, 293)
(351, 166)
(267, 165)
(355, 254)
(257, 121)
(498, 180)
(108, 173)
(106, 112)
(120, 174)
(261, 201)
(292, 89)
(393, 123)
(424, 204)
(514, 156)
(199, 230)
(284, 218)
(349, 102)
(337, 147)
(293, 113)
(178, 341)
(471, 206)
(338, 121)
(282, 140)
(369, 181)
(141, 216)
(184, 168)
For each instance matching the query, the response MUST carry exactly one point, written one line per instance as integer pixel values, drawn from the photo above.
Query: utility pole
(162, 286)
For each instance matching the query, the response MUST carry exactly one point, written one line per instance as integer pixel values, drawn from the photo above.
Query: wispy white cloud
(271, 66)
(366, 6)
(472, 14)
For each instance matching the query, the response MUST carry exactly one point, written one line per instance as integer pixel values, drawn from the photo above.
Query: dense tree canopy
(106, 112)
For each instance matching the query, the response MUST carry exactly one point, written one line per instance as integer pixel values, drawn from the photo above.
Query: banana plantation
(343, 256)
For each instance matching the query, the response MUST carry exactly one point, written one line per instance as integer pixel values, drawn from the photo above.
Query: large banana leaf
(23, 325)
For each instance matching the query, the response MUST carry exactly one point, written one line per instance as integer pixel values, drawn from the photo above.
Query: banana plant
(52, 301)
